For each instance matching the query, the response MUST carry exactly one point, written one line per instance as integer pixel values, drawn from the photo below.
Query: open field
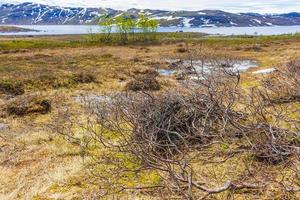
(38, 163)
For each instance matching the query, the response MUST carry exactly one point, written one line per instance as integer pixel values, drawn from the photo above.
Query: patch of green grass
(251, 40)
(37, 44)
(156, 38)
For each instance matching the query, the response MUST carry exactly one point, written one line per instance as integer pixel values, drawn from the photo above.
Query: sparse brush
(84, 78)
(11, 87)
(294, 67)
(106, 56)
(181, 50)
(172, 123)
(284, 85)
(29, 104)
(272, 145)
(144, 81)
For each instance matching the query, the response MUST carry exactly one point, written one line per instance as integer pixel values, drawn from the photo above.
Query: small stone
(3, 127)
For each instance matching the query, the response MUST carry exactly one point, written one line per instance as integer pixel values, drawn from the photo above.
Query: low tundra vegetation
(284, 85)
(55, 81)
(11, 87)
(144, 81)
(28, 104)
(210, 134)
(206, 139)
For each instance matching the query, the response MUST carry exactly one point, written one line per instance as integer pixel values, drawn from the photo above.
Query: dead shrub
(30, 104)
(272, 145)
(294, 67)
(167, 124)
(181, 50)
(84, 78)
(106, 56)
(177, 122)
(144, 81)
(136, 60)
(256, 47)
(284, 85)
(44, 81)
(271, 130)
(10, 87)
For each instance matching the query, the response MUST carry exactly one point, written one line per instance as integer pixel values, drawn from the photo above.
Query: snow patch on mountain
(186, 21)
(29, 13)
(256, 20)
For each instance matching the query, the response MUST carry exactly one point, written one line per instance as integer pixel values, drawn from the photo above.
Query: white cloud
(266, 6)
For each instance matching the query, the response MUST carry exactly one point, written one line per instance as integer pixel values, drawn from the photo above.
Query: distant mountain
(30, 13)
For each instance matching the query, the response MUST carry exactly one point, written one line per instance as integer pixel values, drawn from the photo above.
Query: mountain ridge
(40, 14)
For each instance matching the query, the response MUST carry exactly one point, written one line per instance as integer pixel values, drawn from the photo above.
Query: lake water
(86, 29)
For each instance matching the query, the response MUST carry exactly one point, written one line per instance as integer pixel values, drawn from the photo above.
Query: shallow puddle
(207, 66)
(264, 71)
(167, 72)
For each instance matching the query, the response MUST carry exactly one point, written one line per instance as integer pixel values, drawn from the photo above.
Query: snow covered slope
(30, 13)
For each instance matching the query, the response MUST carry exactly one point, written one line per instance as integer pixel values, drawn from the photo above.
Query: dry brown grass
(37, 164)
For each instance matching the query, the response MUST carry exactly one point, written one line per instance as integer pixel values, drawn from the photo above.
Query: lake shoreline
(48, 30)
(14, 29)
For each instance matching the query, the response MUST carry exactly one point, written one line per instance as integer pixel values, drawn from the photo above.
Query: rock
(92, 98)
(3, 127)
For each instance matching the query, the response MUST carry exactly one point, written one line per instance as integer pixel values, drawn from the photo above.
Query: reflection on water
(265, 71)
(86, 29)
(167, 72)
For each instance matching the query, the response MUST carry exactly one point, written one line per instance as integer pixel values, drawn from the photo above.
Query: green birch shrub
(106, 23)
(126, 26)
(148, 27)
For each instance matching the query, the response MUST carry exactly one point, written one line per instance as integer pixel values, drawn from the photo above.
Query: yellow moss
(150, 178)
(41, 197)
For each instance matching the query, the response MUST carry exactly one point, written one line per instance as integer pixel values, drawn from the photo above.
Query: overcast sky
(261, 6)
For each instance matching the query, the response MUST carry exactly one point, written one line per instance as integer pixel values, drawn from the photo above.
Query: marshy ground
(37, 163)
